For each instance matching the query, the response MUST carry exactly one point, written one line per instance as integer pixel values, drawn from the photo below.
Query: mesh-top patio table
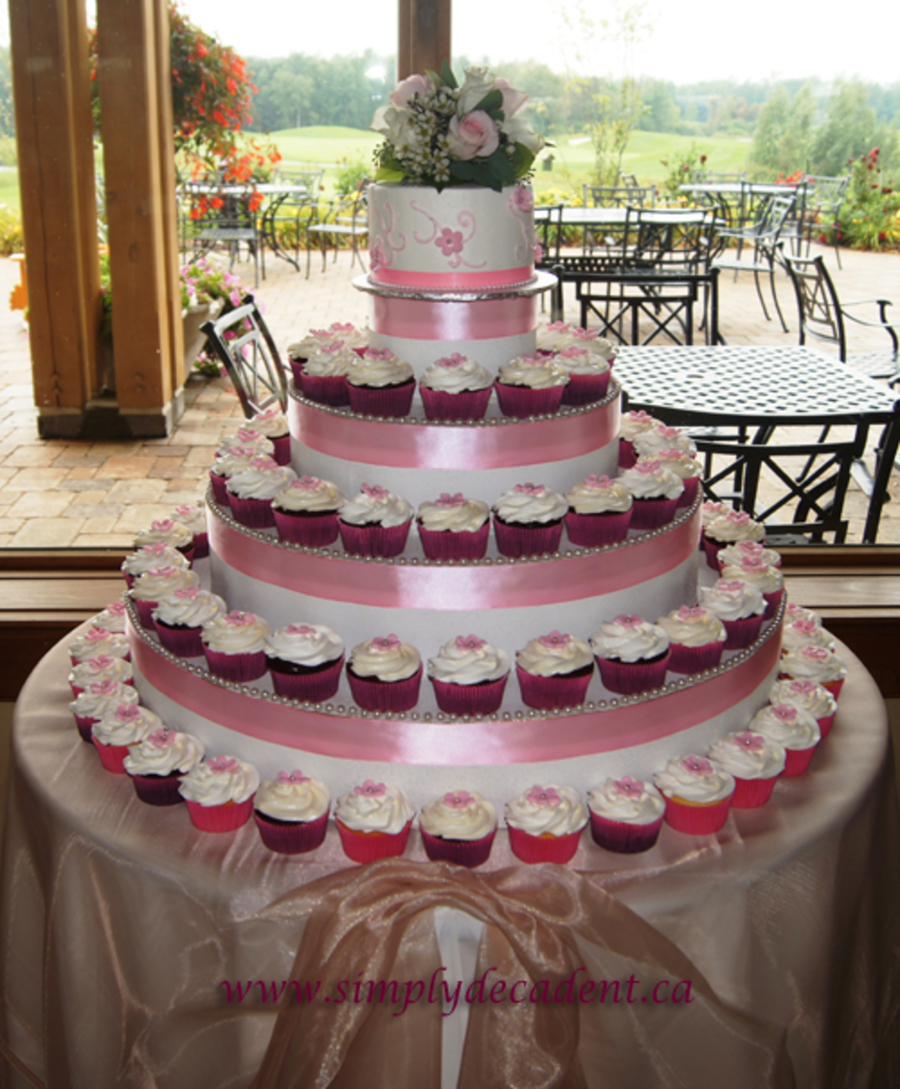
(761, 385)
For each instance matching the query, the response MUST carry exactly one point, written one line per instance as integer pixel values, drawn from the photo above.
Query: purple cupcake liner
(741, 633)
(773, 600)
(695, 659)
(236, 667)
(697, 820)
(220, 818)
(112, 757)
(752, 793)
(329, 389)
(291, 837)
(297, 366)
(596, 530)
(314, 686)
(158, 789)
(632, 678)
(370, 846)
(388, 401)
(469, 699)
(86, 727)
(254, 513)
(469, 405)
(145, 613)
(584, 389)
(391, 697)
(220, 489)
(691, 487)
(515, 541)
(545, 848)
(712, 549)
(445, 544)
(797, 761)
(188, 551)
(622, 836)
(825, 724)
(464, 852)
(522, 401)
(374, 540)
(652, 513)
(183, 642)
(309, 530)
(627, 455)
(201, 545)
(549, 693)
(282, 454)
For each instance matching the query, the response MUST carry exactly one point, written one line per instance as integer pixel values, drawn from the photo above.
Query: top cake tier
(464, 238)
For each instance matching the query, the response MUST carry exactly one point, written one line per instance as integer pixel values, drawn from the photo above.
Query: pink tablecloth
(120, 923)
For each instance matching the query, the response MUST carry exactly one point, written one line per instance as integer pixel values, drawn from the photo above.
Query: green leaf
(434, 77)
(493, 100)
(448, 77)
(501, 167)
(386, 173)
(521, 160)
(477, 172)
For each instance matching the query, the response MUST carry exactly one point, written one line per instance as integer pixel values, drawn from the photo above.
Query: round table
(122, 925)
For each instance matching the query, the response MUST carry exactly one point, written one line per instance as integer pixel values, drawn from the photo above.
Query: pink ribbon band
(438, 446)
(424, 319)
(521, 741)
(463, 281)
(466, 587)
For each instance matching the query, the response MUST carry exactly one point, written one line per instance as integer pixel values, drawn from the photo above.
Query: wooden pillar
(139, 161)
(51, 82)
(424, 36)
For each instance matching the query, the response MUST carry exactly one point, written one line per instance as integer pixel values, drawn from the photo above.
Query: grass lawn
(325, 144)
(9, 186)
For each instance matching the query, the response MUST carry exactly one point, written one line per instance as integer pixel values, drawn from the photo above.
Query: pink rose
(513, 100)
(474, 134)
(406, 88)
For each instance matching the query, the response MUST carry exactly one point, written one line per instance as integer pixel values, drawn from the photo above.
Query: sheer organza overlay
(121, 923)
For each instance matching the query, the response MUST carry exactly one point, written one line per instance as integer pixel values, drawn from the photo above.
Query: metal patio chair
(824, 196)
(249, 356)
(347, 218)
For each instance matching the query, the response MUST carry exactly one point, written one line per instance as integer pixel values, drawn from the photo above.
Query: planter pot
(194, 339)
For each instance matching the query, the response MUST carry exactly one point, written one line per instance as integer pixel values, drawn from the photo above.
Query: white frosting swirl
(171, 533)
(651, 442)
(693, 626)
(157, 555)
(710, 511)
(376, 371)
(768, 579)
(97, 641)
(102, 696)
(733, 555)
(261, 479)
(126, 724)
(468, 660)
(330, 360)
(805, 633)
(459, 815)
(456, 374)
(554, 655)
(192, 515)
(694, 779)
(246, 441)
(533, 372)
(628, 800)
(553, 336)
(454, 513)
(309, 494)
(531, 503)
(385, 658)
(292, 796)
(599, 495)
(164, 752)
(158, 582)
(101, 667)
(748, 755)
(189, 608)
(629, 639)
(636, 423)
(270, 422)
(236, 633)
(305, 644)
(807, 695)
(732, 599)
(374, 807)
(113, 616)
(651, 480)
(219, 781)
(227, 465)
(735, 525)
(797, 612)
(680, 463)
(375, 505)
(811, 663)
(790, 726)
(548, 810)
(575, 359)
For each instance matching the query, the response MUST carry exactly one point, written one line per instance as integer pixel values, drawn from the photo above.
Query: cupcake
(385, 675)
(179, 619)
(306, 510)
(234, 645)
(817, 664)
(249, 439)
(291, 812)
(730, 528)
(300, 351)
(650, 442)
(219, 793)
(656, 491)
(166, 531)
(158, 763)
(808, 696)
(554, 671)
(697, 794)
(528, 521)
(380, 384)
(696, 639)
(252, 489)
(98, 699)
(375, 522)
(113, 616)
(460, 828)
(739, 605)
(768, 579)
(791, 613)
(626, 815)
(469, 676)
(553, 336)
(685, 467)
(98, 641)
(530, 386)
(454, 528)
(194, 517)
(305, 661)
(99, 667)
(224, 468)
(754, 761)
(157, 583)
(805, 633)
(794, 729)
(633, 424)
(121, 726)
(599, 512)
(373, 821)
(545, 824)
(588, 372)
(271, 423)
(733, 555)
(632, 654)
(324, 378)
(456, 388)
(137, 563)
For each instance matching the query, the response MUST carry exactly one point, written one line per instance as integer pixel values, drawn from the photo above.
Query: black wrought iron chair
(227, 220)
(242, 341)
(286, 216)
(824, 196)
(548, 225)
(347, 218)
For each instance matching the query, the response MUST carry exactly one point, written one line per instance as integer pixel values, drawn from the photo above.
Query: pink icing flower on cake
(244, 451)
(449, 362)
(648, 468)
(803, 688)
(539, 795)
(668, 432)
(335, 347)
(818, 654)
(574, 353)
(385, 643)
(449, 242)
(167, 571)
(155, 549)
(691, 612)
(458, 799)
(101, 661)
(738, 517)
(628, 787)
(784, 712)
(345, 328)
(640, 417)
(300, 629)
(248, 434)
(805, 627)
(470, 642)
(268, 414)
(529, 489)
(127, 712)
(188, 593)
(164, 525)
(555, 639)
(697, 765)
(162, 738)
(585, 334)
(559, 327)
(448, 500)
(223, 765)
(626, 621)
(370, 789)
(378, 353)
(239, 619)
(594, 481)
(100, 635)
(293, 777)
(375, 491)
(753, 563)
(750, 742)
(522, 197)
(117, 608)
(103, 688)
(730, 586)
(264, 463)
(306, 483)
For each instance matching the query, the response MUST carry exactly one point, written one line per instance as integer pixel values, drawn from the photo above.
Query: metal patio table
(734, 385)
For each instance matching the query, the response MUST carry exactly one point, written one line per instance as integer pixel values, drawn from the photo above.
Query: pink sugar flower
(102, 661)
(626, 621)
(449, 242)
(784, 712)
(554, 640)
(292, 777)
(300, 629)
(628, 787)
(385, 643)
(163, 738)
(370, 789)
(470, 642)
(750, 742)
(448, 500)
(459, 799)
(222, 765)
(697, 765)
(375, 491)
(539, 795)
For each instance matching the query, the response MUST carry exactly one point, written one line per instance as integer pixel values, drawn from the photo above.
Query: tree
(850, 129)
(765, 152)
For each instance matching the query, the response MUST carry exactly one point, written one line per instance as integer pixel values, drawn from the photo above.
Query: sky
(686, 40)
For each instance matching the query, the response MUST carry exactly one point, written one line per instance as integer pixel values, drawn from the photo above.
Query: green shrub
(11, 238)
(869, 218)
(352, 175)
(8, 153)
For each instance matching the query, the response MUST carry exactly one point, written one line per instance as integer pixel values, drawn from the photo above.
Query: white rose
(478, 83)
(513, 100)
(520, 132)
(395, 124)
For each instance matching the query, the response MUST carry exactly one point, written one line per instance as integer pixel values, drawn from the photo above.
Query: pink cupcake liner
(183, 642)
(627, 454)
(596, 530)
(254, 513)
(445, 544)
(624, 837)
(388, 696)
(469, 405)
(528, 848)
(282, 454)
(370, 846)
(468, 852)
(85, 727)
(549, 693)
(112, 756)
(469, 699)
(741, 633)
(652, 513)
(632, 678)
(314, 686)
(712, 550)
(797, 761)
(389, 401)
(220, 818)
(129, 579)
(374, 540)
(584, 389)
(189, 552)
(201, 545)
(515, 541)
(773, 600)
(158, 789)
(329, 389)
(297, 366)
(825, 724)
(691, 486)
(291, 837)
(220, 489)
(521, 401)
(752, 793)
(695, 659)
(309, 530)
(697, 820)
(834, 687)
(238, 668)
(145, 613)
